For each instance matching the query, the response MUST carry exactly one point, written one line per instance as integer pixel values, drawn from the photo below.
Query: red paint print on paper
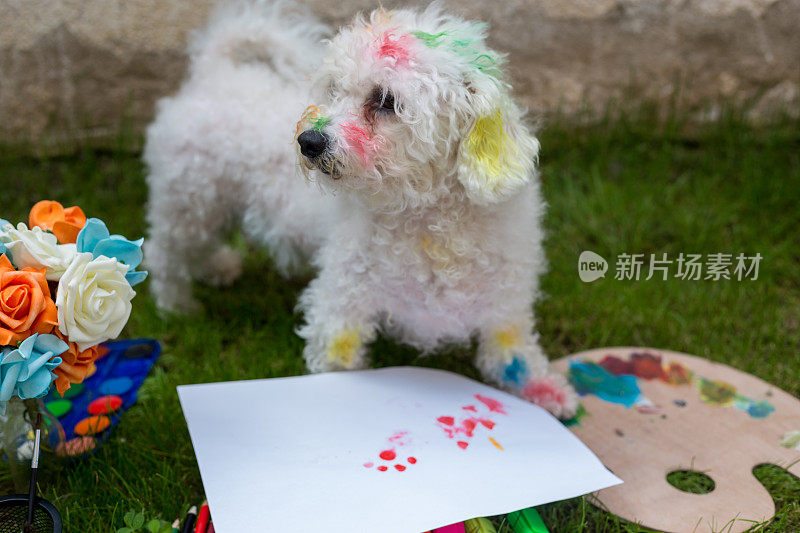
(493, 405)
(467, 426)
(390, 454)
(387, 455)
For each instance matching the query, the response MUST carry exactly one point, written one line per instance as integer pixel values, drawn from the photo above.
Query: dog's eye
(379, 102)
(388, 103)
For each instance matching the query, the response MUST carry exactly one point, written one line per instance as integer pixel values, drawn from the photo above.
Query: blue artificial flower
(3, 249)
(27, 370)
(95, 239)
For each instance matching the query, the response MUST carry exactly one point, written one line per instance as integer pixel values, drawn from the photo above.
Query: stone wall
(78, 69)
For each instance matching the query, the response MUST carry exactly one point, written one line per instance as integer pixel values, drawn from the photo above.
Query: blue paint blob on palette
(88, 411)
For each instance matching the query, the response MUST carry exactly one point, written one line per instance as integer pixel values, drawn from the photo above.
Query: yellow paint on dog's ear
(497, 156)
(489, 147)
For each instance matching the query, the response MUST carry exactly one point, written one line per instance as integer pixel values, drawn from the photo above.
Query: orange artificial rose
(64, 223)
(25, 304)
(75, 365)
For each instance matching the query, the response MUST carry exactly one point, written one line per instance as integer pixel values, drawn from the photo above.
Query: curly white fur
(426, 224)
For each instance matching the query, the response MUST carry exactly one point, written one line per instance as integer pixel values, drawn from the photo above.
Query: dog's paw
(554, 393)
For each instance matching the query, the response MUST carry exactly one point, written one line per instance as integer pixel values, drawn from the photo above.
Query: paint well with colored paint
(105, 405)
(116, 386)
(59, 408)
(92, 425)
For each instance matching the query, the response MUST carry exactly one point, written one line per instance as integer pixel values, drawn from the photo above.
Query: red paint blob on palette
(463, 445)
(399, 468)
(388, 455)
(382, 468)
(470, 408)
(368, 465)
(105, 405)
(449, 420)
(493, 405)
(487, 423)
(412, 460)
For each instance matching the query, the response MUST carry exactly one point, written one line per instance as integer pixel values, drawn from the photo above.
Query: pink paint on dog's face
(396, 48)
(359, 141)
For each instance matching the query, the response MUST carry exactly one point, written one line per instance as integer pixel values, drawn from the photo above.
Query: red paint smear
(449, 420)
(388, 455)
(399, 468)
(493, 405)
(487, 423)
(412, 460)
(399, 438)
(397, 48)
(463, 445)
(368, 465)
(382, 468)
(359, 140)
(470, 408)
(468, 426)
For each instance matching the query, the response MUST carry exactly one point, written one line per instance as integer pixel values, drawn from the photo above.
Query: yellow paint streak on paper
(344, 347)
(496, 444)
(508, 338)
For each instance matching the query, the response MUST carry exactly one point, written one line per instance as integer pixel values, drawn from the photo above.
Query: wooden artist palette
(650, 412)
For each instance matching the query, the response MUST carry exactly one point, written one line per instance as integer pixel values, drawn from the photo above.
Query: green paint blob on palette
(74, 391)
(59, 408)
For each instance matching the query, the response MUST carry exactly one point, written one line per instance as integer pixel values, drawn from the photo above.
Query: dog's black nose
(312, 143)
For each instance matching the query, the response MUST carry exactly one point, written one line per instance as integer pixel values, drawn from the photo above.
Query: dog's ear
(498, 154)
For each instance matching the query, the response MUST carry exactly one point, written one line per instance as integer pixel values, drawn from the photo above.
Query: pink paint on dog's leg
(493, 405)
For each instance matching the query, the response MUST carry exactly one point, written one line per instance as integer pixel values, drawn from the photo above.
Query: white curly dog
(425, 221)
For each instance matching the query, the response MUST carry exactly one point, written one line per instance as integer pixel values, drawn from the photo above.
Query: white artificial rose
(38, 249)
(93, 300)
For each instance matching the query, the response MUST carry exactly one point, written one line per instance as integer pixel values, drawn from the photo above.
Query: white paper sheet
(302, 454)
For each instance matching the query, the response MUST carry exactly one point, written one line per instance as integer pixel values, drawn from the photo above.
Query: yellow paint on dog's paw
(344, 347)
(508, 338)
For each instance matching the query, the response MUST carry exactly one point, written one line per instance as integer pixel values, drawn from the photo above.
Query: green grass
(623, 186)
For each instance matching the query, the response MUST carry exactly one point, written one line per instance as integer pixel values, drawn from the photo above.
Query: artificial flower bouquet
(66, 285)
